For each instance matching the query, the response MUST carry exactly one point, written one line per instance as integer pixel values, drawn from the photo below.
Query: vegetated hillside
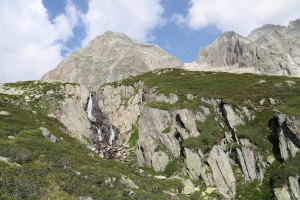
(191, 135)
(236, 132)
(233, 88)
(34, 165)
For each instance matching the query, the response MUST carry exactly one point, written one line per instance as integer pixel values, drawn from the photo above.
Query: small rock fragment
(4, 113)
(48, 135)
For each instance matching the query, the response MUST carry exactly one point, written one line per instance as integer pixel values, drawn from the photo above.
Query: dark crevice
(179, 121)
(273, 138)
(179, 138)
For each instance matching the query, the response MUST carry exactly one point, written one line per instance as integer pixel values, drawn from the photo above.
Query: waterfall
(90, 108)
(99, 134)
(112, 135)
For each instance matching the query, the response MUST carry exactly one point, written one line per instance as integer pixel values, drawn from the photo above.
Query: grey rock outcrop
(71, 112)
(128, 182)
(294, 184)
(270, 49)
(222, 171)
(288, 132)
(49, 136)
(282, 193)
(64, 101)
(252, 165)
(193, 163)
(4, 113)
(151, 123)
(111, 57)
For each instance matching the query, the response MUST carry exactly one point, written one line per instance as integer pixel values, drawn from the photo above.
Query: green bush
(173, 166)
(134, 137)
(281, 172)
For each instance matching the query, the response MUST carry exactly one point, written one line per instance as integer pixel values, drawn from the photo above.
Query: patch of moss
(167, 130)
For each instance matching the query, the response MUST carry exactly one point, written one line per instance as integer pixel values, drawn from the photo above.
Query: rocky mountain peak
(270, 49)
(294, 24)
(111, 57)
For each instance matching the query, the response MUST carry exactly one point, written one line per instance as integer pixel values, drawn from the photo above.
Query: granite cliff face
(227, 146)
(111, 57)
(271, 49)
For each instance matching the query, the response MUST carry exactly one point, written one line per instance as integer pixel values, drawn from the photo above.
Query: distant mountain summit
(271, 49)
(111, 57)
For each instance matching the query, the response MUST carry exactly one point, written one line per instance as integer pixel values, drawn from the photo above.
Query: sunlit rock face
(111, 57)
(271, 49)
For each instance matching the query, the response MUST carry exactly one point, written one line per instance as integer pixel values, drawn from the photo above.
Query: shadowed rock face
(111, 57)
(271, 49)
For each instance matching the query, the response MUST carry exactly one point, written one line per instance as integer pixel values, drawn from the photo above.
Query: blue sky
(38, 34)
(179, 41)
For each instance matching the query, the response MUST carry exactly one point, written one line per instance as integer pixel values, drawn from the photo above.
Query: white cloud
(241, 16)
(30, 44)
(135, 18)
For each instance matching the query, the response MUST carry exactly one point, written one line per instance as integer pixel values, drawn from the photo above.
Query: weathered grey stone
(7, 161)
(261, 102)
(171, 98)
(128, 182)
(232, 118)
(190, 97)
(4, 113)
(247, 160)
(188, 187)
(11, 137)
(222, 171)
(290, 83)
(200, 117)
(48, 135)
(86, 198)
(282, 193)
(272, 101)
(294, 184)
(160, 177)
(187, 118)
(121, 106)
(151, 124)
(288, 133)
(193, 163)
(205, 109)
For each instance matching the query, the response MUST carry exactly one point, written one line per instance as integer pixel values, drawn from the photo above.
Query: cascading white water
(112, 135)
(101, 154)
(99, 134)
(90, 108)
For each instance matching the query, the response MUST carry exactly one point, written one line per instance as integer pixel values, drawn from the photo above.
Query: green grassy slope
(235, 88)
(63, 170)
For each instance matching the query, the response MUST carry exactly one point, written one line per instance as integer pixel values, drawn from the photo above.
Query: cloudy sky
(37, 34)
